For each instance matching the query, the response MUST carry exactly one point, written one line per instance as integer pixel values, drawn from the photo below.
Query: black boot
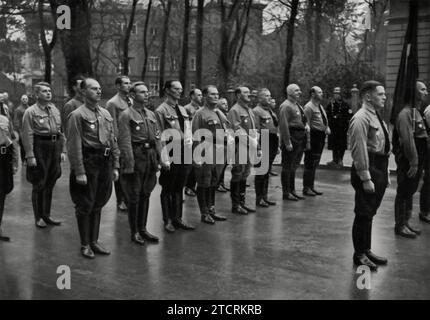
(47, 203)
(203, 195)
(266, 192)
(95, 227)
(372, 257)
(167, 210)
(177, 222)
(414, 229)
(242, 194)
(84, 233)
(211, 207)
(400, 216)
(37, 201)
(143, 219)
(235, 198)
(133, 217)
(285, 181)
(293, 186)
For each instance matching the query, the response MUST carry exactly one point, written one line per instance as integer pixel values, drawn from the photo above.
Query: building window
(120, 68)
(123, 27)
(193, 64)
(174, 65)
(154, 88)
(154, 63)
(192, 85)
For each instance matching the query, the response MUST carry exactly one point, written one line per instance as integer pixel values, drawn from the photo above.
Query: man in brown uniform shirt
(191, 108)
(8, 160)
(209, 119)
(173, 176)
(120, 102)
(73, 103)
(425, 190)
(242, 121)
(17, 122)
(294, 134)
(370, 150)
(318, 123)
(94, 163)
(411, 153)
(45, 148)
(139, 143)
(265, 119)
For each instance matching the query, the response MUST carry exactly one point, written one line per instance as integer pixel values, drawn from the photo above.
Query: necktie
(274, 117)
(324, 118)
(220, 120)
(302, 114)
(51, 121)
(387, 139)
(102, 134)
(250, 118)
(2, 110)
(180, 118)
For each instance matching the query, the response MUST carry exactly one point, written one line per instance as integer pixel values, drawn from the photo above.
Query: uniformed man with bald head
(293, 129)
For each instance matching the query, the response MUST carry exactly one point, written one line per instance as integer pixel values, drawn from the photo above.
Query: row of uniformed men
(94, 154)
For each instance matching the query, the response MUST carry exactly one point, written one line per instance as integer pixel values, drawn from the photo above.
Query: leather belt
(52, 138)
(106, 152)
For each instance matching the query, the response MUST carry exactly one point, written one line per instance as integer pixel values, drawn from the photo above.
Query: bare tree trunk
(184, 59)
(290, 38)
(164, 45)
(234, 24)
(76, 41)
(145, 40)
(318, 31)
(125, 61)
(199, 43)
(47, 47)
(309, 30)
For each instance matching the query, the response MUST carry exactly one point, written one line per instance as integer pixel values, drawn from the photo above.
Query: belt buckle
(2, 150)
(107, 152)
(54, 138)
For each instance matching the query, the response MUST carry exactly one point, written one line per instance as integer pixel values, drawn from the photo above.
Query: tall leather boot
(266, 191)
(372, 257)
(235, 198)
(242, 194)
(178, 223)
(203, 199)
(285, 182)
(47, 203)
(359, 239)
(408, 216)
(133, 217)
(37, 201)
(210, 195)
(400, 216)
(143, 219)
(2, 198)
(167, 209)
(94, 238)
(84, 233)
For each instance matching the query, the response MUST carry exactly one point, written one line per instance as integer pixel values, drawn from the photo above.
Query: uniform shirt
(191, 110)
(7, 135)
(367, 135)
(427, 117)
(68, 108)
(265, 118)
(174, 117)
(90, 129)
(291, 115)
(241, 118)
(41, 121)
(136, 126)
(115, 106)
(17, 118)
(212, 120)
(408, 131)
(316, 116)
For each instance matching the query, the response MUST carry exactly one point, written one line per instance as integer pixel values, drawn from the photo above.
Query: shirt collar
(369, 108)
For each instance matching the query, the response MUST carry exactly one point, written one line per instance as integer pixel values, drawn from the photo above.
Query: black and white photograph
(214, 156)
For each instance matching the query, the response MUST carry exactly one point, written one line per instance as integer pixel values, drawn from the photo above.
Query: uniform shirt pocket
(137, 127)
(375, 137)
(41, 123)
